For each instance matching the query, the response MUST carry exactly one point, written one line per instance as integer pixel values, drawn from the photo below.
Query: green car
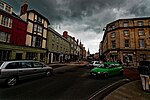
(106, 69)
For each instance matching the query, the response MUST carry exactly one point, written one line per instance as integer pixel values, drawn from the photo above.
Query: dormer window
(8, 9)
(1, 5)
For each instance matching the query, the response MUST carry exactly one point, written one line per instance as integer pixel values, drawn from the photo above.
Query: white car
(93, 64)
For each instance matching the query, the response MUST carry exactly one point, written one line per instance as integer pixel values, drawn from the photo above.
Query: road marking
(107, 88)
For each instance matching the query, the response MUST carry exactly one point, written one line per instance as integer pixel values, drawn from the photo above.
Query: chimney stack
(24, 8)
(65, 34)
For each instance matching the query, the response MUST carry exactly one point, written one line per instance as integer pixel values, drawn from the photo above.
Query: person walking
(144, 71)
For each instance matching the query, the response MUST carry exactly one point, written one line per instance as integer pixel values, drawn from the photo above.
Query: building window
(126, 43)
(42, 57)
(140, 23)
(57, 47)
(7, 22)
(39, 19)
(8, 9)
(113, 27)
(38, 28)
(113, 35)
(149, 23)
(141, 43)
(37, 42)
(141, 32)
(142, 57)
(53, 37)
(4, 55)
(52, 46)
(57, 39)
(31, 56)
(1, 5)
(113, 44)
(126, 32)
(125, 24)
(4, 37)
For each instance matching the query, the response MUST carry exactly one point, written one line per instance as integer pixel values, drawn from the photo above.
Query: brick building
(127, 40)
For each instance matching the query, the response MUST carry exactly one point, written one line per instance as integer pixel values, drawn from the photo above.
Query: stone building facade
(127, 40)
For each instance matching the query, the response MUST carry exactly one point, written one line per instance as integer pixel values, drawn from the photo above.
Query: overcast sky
(85, 19)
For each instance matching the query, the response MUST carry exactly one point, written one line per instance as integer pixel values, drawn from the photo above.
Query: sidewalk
(130, 91)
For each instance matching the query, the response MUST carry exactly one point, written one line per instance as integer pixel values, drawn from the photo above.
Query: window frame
(127, 44)
(141, 43)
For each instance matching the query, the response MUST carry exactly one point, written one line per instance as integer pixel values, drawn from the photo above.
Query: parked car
(93, 64)
(106, 69)
(13, 71)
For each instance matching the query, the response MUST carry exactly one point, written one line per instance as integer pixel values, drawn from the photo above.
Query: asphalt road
(66, 84)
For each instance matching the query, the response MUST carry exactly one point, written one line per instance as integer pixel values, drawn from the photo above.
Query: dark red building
(12, 28)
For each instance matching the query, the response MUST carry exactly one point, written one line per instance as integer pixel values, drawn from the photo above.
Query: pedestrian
(144, 71)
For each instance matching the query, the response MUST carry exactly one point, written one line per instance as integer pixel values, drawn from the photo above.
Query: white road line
(106, 88)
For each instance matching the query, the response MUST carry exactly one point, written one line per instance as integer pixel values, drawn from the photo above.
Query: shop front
(14, 52)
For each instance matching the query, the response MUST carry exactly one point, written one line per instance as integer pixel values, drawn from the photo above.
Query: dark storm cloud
(85, 17)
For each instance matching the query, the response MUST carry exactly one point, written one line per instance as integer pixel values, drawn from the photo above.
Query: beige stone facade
(127, 40)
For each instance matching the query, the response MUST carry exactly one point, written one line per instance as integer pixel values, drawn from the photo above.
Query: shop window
(42, 57)
(4, 55)
(142, 57)
(31, 56)
(127, 59)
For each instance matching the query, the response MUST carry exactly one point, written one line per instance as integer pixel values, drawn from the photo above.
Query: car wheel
(105, 75)
(11, 81)
(49, 73)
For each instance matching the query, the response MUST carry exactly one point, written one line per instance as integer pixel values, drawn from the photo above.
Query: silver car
(13, 71)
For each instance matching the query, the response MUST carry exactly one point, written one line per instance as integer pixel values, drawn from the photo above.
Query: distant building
(127, 40)
(58, 47)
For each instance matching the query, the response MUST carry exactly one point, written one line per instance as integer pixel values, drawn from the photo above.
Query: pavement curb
(100, 94)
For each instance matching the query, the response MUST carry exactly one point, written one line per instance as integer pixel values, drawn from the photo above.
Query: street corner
(131, 73)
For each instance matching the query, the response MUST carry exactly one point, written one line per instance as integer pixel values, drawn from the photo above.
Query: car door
(39, 67)
(26, 70)
(111, 69)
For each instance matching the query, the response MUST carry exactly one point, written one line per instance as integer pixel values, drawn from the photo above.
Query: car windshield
(103, 65)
